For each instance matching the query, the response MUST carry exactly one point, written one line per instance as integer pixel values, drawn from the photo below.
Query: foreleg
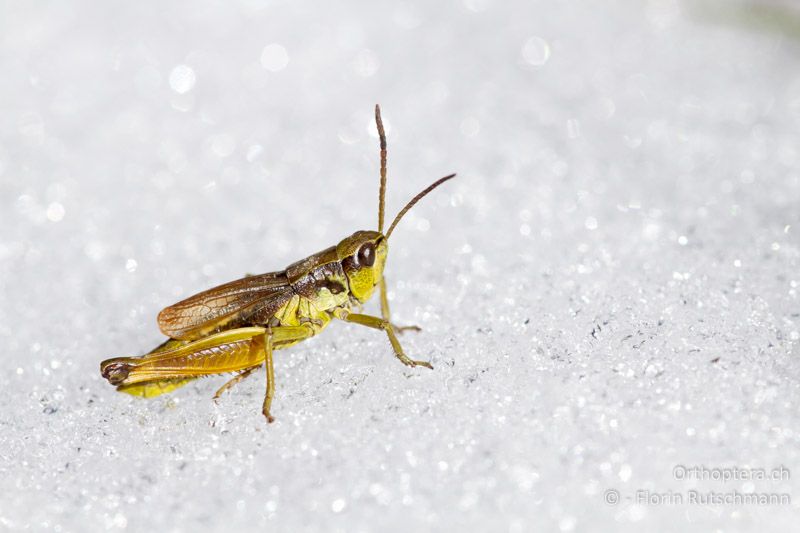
(384, 325)
(386, 313)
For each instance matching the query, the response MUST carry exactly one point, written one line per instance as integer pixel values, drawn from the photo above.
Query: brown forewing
(234, 304)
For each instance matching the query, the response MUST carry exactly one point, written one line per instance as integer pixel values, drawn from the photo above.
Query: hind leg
(234, 380)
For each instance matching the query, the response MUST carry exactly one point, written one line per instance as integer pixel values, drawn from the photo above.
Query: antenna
(416, 199)
(382, 192)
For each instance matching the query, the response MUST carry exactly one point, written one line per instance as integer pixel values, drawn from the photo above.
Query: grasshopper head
(363, 256)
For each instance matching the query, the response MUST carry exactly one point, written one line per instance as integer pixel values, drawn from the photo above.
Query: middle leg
(270, 377)
(273, 337)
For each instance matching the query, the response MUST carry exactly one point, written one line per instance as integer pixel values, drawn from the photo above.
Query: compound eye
(366, 255)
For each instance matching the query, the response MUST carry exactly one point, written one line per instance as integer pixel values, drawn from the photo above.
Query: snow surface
(608, 291)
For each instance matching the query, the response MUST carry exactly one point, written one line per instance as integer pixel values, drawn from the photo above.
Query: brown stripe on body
(329, 276)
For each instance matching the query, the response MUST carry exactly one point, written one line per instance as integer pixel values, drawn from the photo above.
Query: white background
(608, 290)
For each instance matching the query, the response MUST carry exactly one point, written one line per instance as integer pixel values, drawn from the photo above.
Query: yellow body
(235, 327)
(208, 348)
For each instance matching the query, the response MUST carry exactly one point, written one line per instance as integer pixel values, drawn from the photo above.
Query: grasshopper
(237, 326)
